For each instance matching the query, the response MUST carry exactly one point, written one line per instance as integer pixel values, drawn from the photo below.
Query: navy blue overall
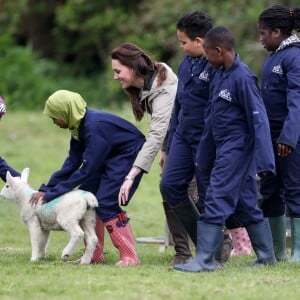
(185, 130)
(281, 95)
(237, 132)
(99, 161)
(4, 167)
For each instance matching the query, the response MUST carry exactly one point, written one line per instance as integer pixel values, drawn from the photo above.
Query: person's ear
(276, 33)
(199, 41)
(219, 50)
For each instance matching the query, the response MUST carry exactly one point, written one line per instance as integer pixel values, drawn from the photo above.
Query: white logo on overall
(225, 94)
(204, 76)
(277, 69)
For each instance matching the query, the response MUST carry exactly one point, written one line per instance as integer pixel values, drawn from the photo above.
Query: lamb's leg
(36, 233)
(43, 241)
(76, 234)
(88, 224)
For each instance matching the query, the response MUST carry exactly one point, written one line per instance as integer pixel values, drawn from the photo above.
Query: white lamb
(73, 212)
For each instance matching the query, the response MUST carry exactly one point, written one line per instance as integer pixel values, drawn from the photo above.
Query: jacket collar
(149, 78)
(292, 39)
(236, 62)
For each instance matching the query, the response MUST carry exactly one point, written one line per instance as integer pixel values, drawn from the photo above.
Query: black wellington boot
(262, 243)
(188, 214)
(179, 236)
(208, 239)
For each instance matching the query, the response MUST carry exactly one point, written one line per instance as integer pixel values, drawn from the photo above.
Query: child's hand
(283, 150)
(36, 197)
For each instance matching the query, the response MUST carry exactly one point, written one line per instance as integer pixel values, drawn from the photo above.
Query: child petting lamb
(102, 150)
(72, 212)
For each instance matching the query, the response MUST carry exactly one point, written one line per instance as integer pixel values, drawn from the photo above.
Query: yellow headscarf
(67, 106)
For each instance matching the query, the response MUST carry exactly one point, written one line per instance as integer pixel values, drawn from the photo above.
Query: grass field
(30, 140)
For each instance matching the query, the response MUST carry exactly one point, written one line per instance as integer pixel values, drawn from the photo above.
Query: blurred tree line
(65, 44)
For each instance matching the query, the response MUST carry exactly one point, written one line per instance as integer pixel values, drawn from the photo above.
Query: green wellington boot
(295, 237)
(261, 239)
(278, 229)
(208, 239)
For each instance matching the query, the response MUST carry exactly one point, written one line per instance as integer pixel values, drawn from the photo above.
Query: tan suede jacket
(159, 102)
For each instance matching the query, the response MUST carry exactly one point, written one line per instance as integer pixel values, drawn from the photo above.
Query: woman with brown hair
(151, 87)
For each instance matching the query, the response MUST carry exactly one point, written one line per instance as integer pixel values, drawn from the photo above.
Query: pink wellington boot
(98, 255)
(241, 242)
(122, 238)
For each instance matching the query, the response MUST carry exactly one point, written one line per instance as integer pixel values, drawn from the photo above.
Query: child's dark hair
(194, 24)
(220, 36)
(281, 17)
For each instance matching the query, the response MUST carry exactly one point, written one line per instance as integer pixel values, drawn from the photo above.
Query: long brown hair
(133, 57)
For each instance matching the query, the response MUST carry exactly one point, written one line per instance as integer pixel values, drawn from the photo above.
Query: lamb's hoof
(84, 261)
(65, 258)
(37, 259)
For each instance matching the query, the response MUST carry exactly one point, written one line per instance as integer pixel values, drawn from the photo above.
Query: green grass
(30, 140)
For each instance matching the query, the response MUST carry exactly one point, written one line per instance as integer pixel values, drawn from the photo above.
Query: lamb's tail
(91, 200)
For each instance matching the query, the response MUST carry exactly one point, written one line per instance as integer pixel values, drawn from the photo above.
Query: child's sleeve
(290, 132)
(258, 125)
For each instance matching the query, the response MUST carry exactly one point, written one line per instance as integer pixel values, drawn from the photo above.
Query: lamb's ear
(8, 177)
(25, 175)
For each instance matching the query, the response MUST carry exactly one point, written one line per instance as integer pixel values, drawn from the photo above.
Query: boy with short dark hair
(239, 134)
(186, 126)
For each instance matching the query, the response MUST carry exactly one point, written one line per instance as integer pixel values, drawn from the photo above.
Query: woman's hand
(127, 184)
(163, 159)
(124, 191)
(36, 197)
(283, 150)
